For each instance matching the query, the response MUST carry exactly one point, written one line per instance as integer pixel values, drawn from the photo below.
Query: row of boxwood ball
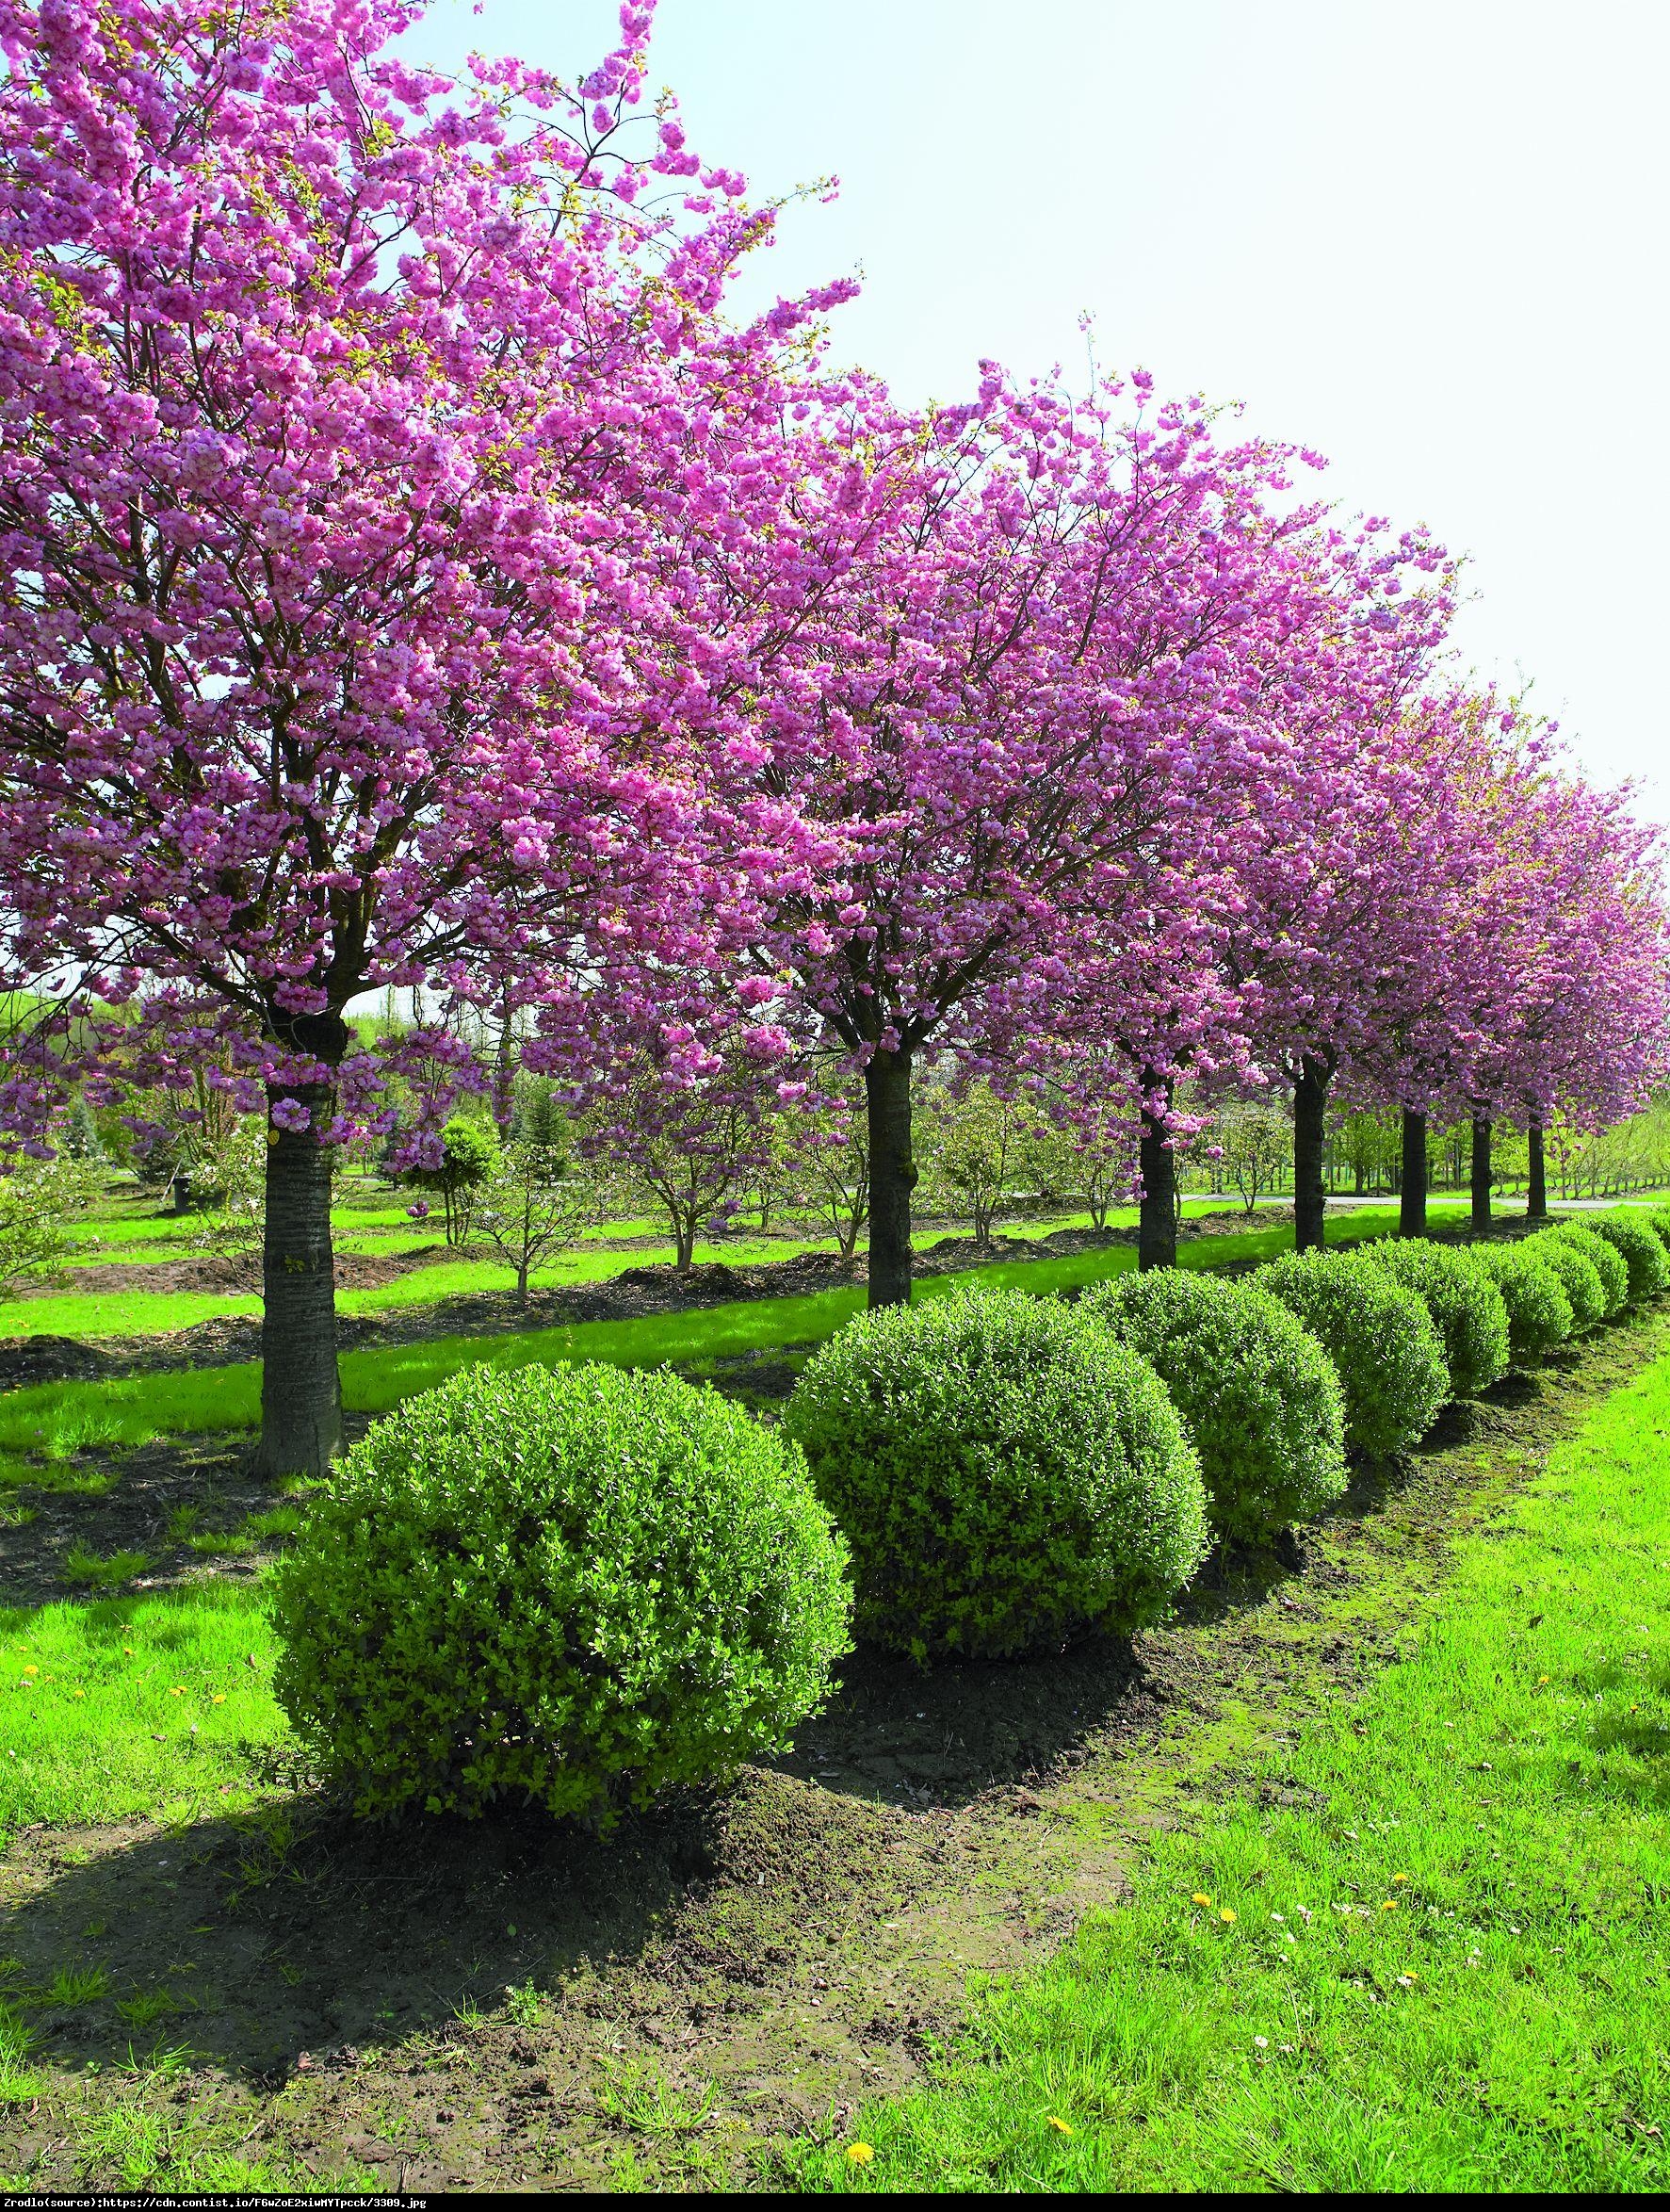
(578, 1588)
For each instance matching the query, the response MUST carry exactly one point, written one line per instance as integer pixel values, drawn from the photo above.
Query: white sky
(1428, 240)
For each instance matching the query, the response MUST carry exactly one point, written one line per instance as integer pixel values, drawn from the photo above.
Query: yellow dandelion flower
(1540, 1680)
(127, 1650)
(1227, 1917)
(1400, 1877)
(178, 1690)
(859, 2154)
(78, 1693)
(1387, 1906)
(1200, 1897)
(1060, 2126)
(219, 1697)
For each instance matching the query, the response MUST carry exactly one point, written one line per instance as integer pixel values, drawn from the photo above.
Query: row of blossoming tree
(413, 575)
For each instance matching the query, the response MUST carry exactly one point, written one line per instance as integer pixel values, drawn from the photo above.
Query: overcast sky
(1428, 240)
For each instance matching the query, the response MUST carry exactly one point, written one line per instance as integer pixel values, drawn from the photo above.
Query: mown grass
(156, 1704)
(53, 1421)
(366, 1228)
(121, 1314)
(1436, 1964)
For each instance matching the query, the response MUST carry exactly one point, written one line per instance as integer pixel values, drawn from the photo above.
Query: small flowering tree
(469, 1157)
(831, 1161)
(533, 1205)
(1255, 1144)
(38, 1199)
(692, 1128)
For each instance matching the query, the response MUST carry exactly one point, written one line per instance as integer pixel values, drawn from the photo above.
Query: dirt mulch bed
(204, 1272)
(511, 2005)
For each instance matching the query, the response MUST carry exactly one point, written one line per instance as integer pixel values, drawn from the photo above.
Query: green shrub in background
(1578, 1276)
(1258, 1395)
(1388, 1354)
(1468, 1310)
(571, 1587)
(1605, 1258)
(1637, 1244)
(1658, 1220)
(1006, 1473)
(1540, 1315)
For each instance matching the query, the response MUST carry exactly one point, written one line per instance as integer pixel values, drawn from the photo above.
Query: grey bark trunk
(1310, 1107)
(1411, 1196)
(1479, 1175)
(1536, 1182)
(300, 1387)
(1156, 1213)
(892, 1177)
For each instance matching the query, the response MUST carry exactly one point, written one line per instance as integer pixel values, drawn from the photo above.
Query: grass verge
(1420, 1950)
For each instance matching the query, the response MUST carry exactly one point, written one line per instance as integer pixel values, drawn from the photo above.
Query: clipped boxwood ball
(1577, 1274)
(1006, 1475)
(1258, 1395)
(1641, 1253)
(1540, 1315)
(1603, 1256)
(1469, 1311)
(1657, 1219)
(1388, 1354)
(573, 1587)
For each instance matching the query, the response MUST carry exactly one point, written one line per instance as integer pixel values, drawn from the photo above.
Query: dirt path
(506, 2007)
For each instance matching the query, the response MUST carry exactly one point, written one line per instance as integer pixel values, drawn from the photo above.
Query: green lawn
(1434, 1962)
(141, 1312)
(134, 1705)
(55, 1420)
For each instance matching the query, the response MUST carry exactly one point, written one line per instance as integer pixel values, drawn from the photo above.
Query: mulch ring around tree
(511, 2003)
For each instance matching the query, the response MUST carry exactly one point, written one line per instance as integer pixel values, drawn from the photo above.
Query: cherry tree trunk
(1412, 1197)
(300, 1387)
(683, 1240)
(1156, 1217)
(892, 1177)
(1537, 1178)
(1310, 1107)
(1480, 1178)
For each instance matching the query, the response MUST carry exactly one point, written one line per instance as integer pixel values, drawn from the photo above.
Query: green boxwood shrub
(1641, 1253)
(1540, 1315)
(1578, 1275)
(1605, 1258)
(1468, 1310)
(1658, 1220)
(1258, 1395)
(1388, 1354)
(573, 1587)
(1006, 1473)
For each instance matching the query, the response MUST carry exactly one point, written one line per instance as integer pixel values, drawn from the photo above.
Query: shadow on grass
(252, 1940)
